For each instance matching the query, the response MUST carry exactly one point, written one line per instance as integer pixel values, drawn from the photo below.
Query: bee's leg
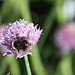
(18, 50)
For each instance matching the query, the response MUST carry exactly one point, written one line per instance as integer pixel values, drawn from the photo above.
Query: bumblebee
(21, 44)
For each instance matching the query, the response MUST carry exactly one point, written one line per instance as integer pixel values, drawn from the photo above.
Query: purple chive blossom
(19, 37)
(65, 38)
(3, 48)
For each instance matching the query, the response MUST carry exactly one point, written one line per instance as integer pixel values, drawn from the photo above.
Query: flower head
(65, 37)
(19, 37)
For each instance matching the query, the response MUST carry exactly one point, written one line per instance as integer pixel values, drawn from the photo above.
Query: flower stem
(27, 65)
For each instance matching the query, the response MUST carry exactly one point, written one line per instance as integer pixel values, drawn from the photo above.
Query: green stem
(27, 65)
(37, 62)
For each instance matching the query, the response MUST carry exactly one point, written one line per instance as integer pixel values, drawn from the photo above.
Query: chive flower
(65, 38)
(19, 38)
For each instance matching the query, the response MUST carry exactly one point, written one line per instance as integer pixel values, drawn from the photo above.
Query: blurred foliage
(49, 15)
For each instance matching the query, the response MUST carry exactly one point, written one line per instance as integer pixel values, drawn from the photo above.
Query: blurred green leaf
(65, 65)
(14, 66)
(13, 9)
(10, 11)
(36, 62)
(60, 14)
(49, 21)
(3, 66)
(25, 10)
